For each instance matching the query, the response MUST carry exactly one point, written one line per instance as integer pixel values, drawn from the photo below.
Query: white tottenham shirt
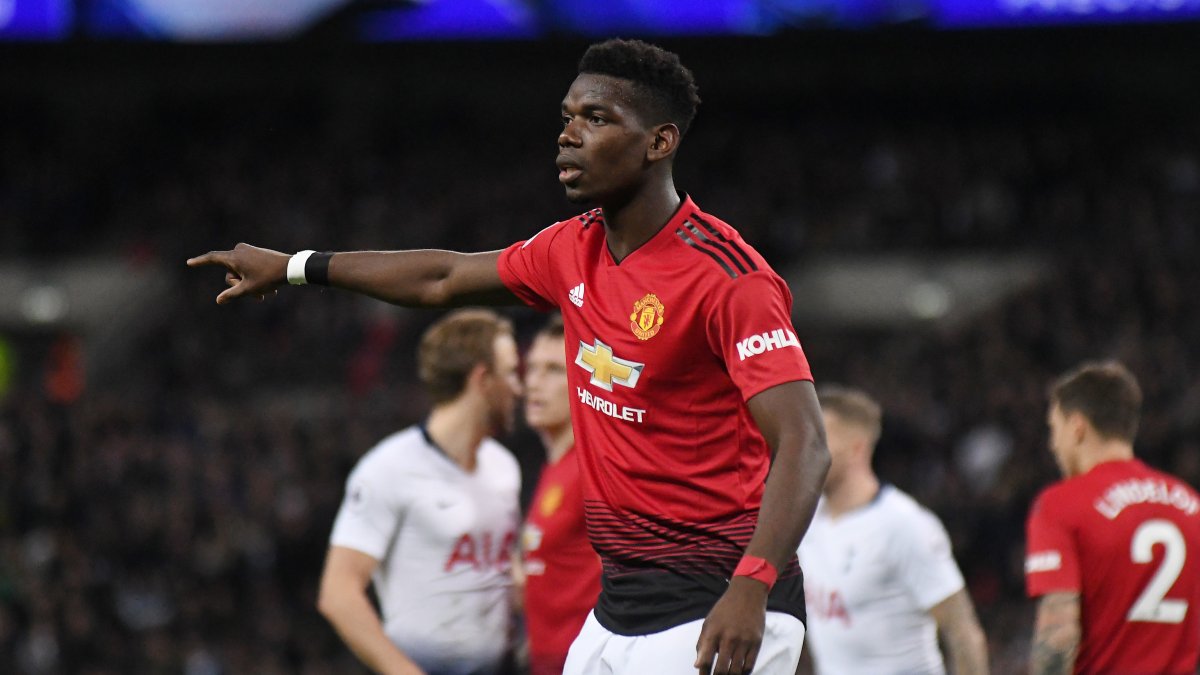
(444, 538)
(870, 578)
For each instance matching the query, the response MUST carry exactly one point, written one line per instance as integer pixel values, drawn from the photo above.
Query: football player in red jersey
(561, 571)
(1111, 549)
(701, 443)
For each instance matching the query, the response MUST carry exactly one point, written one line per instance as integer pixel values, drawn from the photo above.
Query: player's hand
(250, 271)
(733, 631)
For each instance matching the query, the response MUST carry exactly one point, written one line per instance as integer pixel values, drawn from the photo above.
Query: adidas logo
(576, 295)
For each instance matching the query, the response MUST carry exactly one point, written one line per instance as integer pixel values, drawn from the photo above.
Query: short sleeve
(750, 327)
(526, 268)
(1051, 561)
(927, 569)
(371, 511)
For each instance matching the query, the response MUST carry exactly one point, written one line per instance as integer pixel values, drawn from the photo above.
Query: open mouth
(568, 171)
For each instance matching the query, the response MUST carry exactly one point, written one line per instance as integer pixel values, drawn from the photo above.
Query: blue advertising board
(35, 19)
(401, 20)
(1014, 13)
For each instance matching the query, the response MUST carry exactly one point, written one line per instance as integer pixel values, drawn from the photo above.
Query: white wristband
(295, 268)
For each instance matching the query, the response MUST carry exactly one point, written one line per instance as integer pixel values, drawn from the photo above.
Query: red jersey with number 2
(1127, 539)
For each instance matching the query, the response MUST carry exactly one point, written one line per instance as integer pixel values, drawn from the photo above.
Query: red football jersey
(664, 350)
(1127, 539)
(562, 571)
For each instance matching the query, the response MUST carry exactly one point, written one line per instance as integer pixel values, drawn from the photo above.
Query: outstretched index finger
(210, 258)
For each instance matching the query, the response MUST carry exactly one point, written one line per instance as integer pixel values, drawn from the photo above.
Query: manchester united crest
(647, 317)
(551, 500)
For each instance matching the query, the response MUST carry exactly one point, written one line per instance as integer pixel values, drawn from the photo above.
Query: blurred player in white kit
(879, 576)
(431, 515)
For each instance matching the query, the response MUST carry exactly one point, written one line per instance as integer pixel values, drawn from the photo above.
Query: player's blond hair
(854, 407)
(452, 347)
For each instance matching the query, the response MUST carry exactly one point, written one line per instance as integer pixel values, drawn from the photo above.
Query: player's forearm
(962, 636)
(1052, 659)
(422, 278)
(791, 494)
(789, 417)
(1056, 638)
(425, 278)
(355, 621)
(966, 646)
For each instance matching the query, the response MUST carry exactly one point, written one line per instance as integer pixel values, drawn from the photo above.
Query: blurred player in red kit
(1113, 550)
(561, 571)
(700, 439)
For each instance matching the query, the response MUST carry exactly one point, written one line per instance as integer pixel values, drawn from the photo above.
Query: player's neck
(557, 442)
(458, 430)
(1102, 452)
(629, 224)
(853, 492)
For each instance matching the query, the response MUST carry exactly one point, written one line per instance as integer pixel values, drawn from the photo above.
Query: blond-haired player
(879, 576)
(431, 515)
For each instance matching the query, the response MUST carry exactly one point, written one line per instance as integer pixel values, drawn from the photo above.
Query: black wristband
(316, 268)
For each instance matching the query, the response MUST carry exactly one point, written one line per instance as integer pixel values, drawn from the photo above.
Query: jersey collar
(660, 239)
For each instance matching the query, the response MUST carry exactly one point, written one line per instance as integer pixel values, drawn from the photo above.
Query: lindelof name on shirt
(1145, 491)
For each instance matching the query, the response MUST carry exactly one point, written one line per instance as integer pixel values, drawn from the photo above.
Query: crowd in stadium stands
(173, 516)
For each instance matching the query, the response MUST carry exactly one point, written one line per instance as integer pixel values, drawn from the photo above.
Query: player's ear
(1078, 425)
(476, 378)
(862, 447)
(663, 142)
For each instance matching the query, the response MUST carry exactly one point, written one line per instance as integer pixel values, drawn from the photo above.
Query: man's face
(547, 406)
(504, 384)
(1062, 445)
(603, 144)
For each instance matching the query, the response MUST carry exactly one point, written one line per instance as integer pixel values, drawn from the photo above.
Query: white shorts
(673, 651)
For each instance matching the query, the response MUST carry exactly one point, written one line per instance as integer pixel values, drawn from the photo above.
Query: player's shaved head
(666, 91)
(1106, 393)
(854, 407)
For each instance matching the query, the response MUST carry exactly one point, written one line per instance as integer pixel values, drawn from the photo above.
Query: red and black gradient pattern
(660, 572)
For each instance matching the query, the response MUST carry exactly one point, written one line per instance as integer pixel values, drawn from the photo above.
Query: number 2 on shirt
(1152, 605)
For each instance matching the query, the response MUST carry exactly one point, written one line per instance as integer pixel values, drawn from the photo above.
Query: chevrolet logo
(605, 368)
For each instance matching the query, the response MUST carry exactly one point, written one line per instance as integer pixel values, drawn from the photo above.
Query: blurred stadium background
(968, 196)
